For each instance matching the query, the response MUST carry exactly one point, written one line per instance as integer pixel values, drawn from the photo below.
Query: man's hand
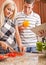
(21, 28)
(41, 33)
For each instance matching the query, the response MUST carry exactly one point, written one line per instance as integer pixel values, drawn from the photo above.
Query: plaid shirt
(8, 30)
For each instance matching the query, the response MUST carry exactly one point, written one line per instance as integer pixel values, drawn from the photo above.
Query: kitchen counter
(26, 59)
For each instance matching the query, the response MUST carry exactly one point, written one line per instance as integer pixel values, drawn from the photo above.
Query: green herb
(39, 46)
(44, 46)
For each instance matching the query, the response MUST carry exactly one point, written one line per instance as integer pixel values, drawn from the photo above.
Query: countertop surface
(26, 59)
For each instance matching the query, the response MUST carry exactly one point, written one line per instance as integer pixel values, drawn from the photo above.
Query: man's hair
(29, 1)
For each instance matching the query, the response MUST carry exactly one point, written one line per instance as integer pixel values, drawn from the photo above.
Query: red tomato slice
(1, 57)
(14, 54)
(11, 54)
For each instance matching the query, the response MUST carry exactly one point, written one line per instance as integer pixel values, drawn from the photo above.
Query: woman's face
(9, 11)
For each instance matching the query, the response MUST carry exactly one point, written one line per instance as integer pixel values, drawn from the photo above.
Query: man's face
(27, 8)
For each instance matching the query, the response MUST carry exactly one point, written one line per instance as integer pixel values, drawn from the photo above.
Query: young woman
(8, 29)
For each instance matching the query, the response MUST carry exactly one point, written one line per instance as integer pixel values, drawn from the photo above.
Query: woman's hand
(3, 45)
(22, 48)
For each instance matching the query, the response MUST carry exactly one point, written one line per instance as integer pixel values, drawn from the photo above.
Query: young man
(29, 38)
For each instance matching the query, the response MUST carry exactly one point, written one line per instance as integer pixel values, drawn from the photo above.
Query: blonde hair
(2, 16)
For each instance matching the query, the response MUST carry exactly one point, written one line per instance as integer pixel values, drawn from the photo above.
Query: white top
(29, 38)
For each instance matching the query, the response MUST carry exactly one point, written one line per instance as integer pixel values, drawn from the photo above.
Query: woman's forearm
(17, 35)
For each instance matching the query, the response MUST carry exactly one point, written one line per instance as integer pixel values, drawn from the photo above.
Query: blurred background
(40, 7)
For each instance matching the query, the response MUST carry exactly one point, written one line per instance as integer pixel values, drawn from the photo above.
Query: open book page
(39, 28)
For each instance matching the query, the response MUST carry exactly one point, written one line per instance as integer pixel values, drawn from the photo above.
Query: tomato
(1, 57)
(11, 54)
(14, 54)
(18, 53)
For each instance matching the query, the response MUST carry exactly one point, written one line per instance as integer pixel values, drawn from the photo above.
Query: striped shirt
(29, 38)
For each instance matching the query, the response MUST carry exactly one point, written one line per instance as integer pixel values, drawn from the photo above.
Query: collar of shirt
(8, 19)
(27, 15)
